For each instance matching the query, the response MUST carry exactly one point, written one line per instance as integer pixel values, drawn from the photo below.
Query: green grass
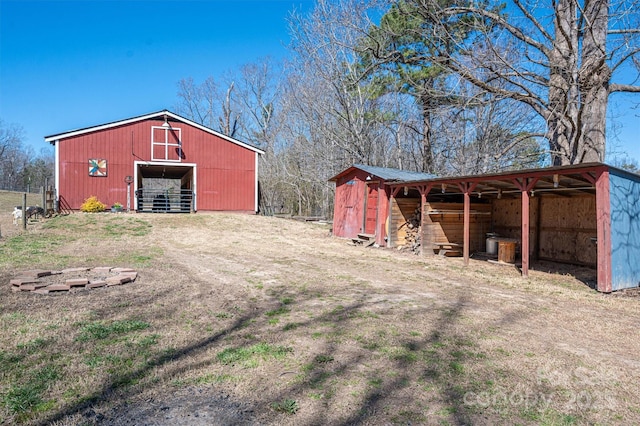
(215, 378)
(28, 396)
(106, 226)
(32, 346)
(139, 259)
(280, 311)
(290, 326)
(42, 248)
(323, 359)
(289, 406)
(120, 226)
(25, 250)
(99, 330)
(248, 356)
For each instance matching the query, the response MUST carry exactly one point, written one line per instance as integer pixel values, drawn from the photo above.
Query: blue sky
(73, 64)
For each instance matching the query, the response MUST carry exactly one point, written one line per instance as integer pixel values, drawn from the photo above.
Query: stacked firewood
(412, 229)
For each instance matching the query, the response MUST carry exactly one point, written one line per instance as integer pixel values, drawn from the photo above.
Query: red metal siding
(225, 171)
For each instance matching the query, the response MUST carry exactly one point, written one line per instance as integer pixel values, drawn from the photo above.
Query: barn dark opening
(165, 189)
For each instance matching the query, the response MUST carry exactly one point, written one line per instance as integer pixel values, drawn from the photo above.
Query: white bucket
(492, 245)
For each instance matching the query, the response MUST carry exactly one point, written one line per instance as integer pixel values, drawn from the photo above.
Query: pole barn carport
(587, 214)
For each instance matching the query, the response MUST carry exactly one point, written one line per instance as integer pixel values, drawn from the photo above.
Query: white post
(128, 197)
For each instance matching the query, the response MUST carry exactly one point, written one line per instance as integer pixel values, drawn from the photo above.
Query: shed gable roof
(386, 173)
(59, 136)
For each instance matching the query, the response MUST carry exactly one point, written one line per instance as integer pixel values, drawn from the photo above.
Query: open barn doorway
(165, 188)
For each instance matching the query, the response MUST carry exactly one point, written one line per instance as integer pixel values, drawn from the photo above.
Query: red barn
(158, 162)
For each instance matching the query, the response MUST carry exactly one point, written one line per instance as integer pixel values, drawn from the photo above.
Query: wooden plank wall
(506, 220)
(560, 228)
(448, 227)
(566, 228)
(401, 210)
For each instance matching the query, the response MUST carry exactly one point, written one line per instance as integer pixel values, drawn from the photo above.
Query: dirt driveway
(261, 320)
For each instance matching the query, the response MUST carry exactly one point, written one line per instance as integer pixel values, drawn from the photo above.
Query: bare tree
(562, 58)
(207, 105)
(20, 167)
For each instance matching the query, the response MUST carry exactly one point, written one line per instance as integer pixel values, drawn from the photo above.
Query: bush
(92, 205)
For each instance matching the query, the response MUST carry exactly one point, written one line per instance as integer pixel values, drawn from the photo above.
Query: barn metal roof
(386, 173)
(170, 116)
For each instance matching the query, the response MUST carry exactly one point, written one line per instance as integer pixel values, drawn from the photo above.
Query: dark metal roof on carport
(558, 179)
(386, 173)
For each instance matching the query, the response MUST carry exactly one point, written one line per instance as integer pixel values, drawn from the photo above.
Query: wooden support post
(603, 232)
(466, 188)
(525, 185)
(392, 196)
(466, 236)
(426, 239)
(524, 243)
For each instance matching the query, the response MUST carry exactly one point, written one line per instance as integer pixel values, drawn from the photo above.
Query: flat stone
(132, 275)
(69, 270)
(96, 284)
(77, 282)
(117, 280)
(118, 270)
(23, 280)
(57, 287)
(35, 273)
(32, 287)
(41, 291)
(101, 269)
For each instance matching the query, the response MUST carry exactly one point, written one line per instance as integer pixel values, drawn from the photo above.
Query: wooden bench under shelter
(451, 249)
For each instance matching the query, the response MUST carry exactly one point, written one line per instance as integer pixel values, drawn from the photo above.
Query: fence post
(24, 210)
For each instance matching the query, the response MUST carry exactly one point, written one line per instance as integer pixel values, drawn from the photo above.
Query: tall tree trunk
(563, 86)
(426, 102)
(594, 85)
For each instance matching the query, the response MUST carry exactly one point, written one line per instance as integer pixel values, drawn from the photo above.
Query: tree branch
(628, 88)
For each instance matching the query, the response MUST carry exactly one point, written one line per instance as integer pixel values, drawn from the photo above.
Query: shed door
(371, 208)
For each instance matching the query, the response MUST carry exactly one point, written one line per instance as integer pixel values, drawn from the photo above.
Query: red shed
(362, 200)
(158, 162)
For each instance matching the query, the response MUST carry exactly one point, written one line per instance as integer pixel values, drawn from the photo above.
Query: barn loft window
(166, 143)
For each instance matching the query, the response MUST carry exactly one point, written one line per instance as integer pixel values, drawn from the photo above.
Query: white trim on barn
(137, 164)
(56, 170)
(256, 185)
(54, 138)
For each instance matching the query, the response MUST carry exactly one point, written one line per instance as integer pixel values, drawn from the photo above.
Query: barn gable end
(156, 162)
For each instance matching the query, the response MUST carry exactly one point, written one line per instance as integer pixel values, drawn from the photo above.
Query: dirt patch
(258, 320)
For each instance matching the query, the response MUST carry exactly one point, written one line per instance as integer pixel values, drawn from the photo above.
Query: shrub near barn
(93, 205)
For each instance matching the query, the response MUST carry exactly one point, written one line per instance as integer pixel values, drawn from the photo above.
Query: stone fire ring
(44, 281)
